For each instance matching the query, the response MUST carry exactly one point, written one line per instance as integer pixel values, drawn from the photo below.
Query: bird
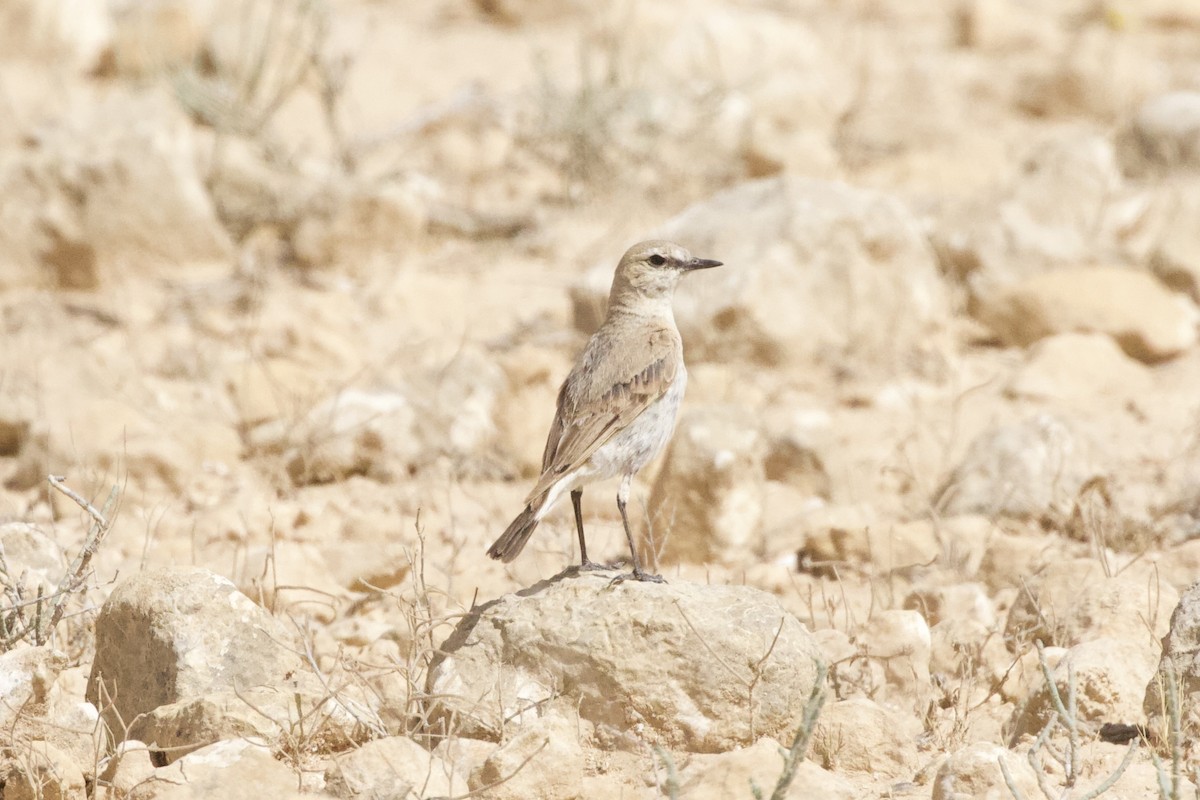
(617, 406)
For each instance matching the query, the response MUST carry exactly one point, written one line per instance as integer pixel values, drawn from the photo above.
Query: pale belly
(631, 449)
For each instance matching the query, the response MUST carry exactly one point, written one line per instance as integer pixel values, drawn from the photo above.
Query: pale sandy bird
(617, 407)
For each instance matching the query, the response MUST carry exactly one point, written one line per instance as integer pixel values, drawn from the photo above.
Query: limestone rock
(803, 259)
(1110, 678)
(233, 770)
(1163, 136)
(175, 729)
(1149, 322)
(26, 676)
(1080, 367)
(974, 772)
(1072, 601)
(724, 775)
(859, 735)
(633, 658)
(550, 759)
(1066, 204)
(391, 767)
(1181, 655)
(355, 432)
(707, 503)
(174, 634)
(40, 771)
(353, 224)
(28, 550)
(1027, 469)
(116, 192)
(897, 645)
(938, 603)
(1175, 257)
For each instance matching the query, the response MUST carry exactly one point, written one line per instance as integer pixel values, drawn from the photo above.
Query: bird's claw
(637, 575)
(592, 566)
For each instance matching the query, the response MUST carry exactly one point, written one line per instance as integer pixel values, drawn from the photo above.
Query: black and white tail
(516, 535)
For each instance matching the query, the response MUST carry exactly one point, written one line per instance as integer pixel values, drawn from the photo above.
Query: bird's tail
(512, 541)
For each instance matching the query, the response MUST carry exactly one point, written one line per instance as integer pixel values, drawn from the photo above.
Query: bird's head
(652, 269)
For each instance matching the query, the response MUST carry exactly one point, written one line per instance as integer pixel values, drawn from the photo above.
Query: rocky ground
(301, 279)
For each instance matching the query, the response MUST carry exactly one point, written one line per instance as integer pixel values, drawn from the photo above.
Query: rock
(174, 634)
(1080, 367)
(1072, 601)
(859, 735)
(232, 770)
(265, 389)
(152, 38)
(1175, 257)
(1066, 204)
(1163, 136)
(1150, 322)
(352, 226)
(173, 730)
(1180, 647)
(1026, 676)
(28, 550)
(1101, 76)
(524, 411)
(887, 547)
(355, 432)
(74, 34)
(724, 775)
(707, 502)
(938, 603)
(391, 767)
(823, 247)
(544, 759)
(999, 26)
(974, 773)
(26, 677)
(116, 193)
(1031, 468)
(898, 647)
(1110, 679)
(633, 658)
(40, 771)
(129, 766)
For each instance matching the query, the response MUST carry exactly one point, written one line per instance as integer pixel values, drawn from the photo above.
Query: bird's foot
(637, 575)
(592, 566)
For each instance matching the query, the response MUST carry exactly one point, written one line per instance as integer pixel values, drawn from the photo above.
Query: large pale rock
(1027, 469)
(269, 713)
(633, 658)
(1180, 655)
(859, 735)
(1073, 601)
(30, 552)
(720, 776)
(1080, 367)
(115, 193)
(973, 773)
(1066, 204)
(175, 634)
(1110, 681)
(803, 259)
(355, 432)
(544, 759)
(40, 771)
(1150, 322)
(707, 503)
(389, 767)
(1175, 256)
(1164, 135)
(353, 225)
(897, 646)
(232, 770)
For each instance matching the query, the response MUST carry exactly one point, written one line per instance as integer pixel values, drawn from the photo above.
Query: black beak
(701, 263)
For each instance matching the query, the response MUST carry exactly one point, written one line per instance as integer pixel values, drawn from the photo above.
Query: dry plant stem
(1066, 716)
(671, 786)
(484, 789)
(1174, 791)
(100, 526)
(808, 723)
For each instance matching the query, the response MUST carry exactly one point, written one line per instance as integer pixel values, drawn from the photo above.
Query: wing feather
(602, 396)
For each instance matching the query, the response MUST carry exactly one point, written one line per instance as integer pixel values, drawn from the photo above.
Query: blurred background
(302, 279)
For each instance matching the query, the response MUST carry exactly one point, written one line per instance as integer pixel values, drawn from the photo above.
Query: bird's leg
(577, 502)
(637, 574)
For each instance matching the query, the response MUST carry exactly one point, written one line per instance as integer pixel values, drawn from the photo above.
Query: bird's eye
(657, 260)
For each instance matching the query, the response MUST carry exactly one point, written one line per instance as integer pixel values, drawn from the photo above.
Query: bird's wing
(603, 394)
